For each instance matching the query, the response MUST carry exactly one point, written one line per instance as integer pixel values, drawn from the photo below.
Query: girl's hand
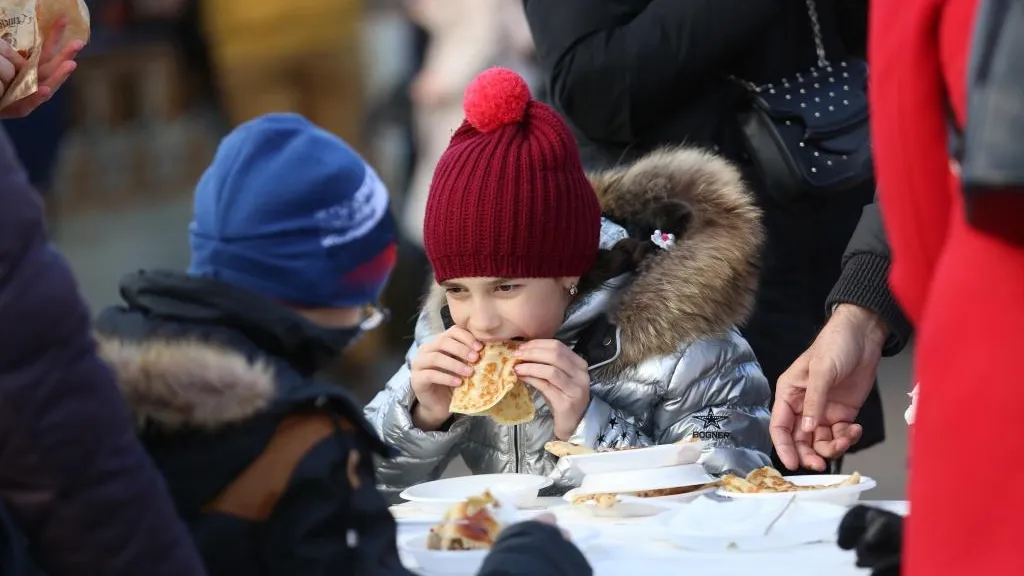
(562, 378)
(438, 367)
(56, 63)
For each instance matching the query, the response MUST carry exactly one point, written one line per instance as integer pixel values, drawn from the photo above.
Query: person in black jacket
(632, 75)
(271, 468)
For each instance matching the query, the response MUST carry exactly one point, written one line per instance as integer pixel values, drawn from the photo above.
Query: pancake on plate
(769, 480)
(468, 525)
(610, 500)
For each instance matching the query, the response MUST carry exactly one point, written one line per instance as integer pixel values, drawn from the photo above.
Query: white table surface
(631, 546)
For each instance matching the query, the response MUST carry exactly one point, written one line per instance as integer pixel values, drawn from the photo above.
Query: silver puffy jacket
(666, 360)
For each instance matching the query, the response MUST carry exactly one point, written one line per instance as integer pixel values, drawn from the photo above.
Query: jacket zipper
(515, 446)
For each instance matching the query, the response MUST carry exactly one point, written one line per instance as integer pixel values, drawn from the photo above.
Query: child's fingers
(463, 336)
(457, 349)
(550, 393)
(553, 376)
(438, 378)
(440, 361)
(562, 358)
(808, 457)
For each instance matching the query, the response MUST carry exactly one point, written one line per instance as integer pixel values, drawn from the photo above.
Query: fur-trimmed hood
(197, 352)
(188, 382)
(705, 283)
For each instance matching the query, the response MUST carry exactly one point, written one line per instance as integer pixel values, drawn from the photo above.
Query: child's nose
(484, 321)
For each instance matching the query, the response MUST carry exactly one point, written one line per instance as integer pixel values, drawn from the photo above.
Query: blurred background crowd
(118, 150)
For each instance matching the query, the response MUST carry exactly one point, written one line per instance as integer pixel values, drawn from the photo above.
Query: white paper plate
(644, 479)
(517, 489)
(710, 526)
(635, 507)
(653, 457)
(424, 521)
(842, 496)
(468, 562)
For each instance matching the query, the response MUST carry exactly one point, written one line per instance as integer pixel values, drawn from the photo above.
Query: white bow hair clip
(663, 240)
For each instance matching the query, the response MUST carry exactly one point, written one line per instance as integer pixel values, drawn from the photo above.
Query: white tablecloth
(631, 546)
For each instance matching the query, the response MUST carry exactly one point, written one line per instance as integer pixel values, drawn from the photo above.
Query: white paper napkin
(753, 517)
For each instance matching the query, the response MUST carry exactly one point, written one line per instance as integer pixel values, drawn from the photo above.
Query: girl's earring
(573, 290)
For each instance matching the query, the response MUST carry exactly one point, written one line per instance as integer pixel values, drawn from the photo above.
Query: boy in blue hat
(272, 470)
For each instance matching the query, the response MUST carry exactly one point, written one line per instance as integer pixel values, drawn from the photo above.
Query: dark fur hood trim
(187, 382)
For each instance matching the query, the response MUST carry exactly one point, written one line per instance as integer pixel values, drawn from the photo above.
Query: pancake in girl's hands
(492, 379)
(515, 408)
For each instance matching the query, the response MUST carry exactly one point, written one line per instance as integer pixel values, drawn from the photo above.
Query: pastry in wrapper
(24, 25)
(769, 480)
(469, 525)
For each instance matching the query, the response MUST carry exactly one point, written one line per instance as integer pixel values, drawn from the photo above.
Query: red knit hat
(509, 198)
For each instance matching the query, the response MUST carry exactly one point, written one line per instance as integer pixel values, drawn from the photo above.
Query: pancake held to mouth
(493, 389)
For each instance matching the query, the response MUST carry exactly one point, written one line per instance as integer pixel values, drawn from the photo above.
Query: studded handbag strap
(819, 44)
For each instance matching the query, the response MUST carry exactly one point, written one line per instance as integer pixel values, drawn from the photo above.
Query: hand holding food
(41, 40)
(493, 389)
(440, 366)
(561, 376)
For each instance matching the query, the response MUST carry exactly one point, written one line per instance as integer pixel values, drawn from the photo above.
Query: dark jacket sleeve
(534, 549)
(71, 469)
(618, 66)
(865, 279)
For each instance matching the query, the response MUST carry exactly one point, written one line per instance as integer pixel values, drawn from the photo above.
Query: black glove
(877, 537)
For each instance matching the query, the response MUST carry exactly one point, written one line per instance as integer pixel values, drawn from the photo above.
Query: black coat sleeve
(534, 549)
(618, 66)
(865, 279)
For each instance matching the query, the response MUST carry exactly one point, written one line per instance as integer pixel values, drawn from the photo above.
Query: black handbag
(810, 134)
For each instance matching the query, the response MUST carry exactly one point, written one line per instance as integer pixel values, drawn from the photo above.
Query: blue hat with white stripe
(290, 211)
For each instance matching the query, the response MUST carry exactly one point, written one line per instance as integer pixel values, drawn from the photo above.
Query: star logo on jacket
(712, 429)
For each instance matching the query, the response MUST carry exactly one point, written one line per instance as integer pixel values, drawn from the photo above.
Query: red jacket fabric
(963, 290)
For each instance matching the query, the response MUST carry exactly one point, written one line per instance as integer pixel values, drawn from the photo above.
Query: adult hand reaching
(56, 63)
(817, 399)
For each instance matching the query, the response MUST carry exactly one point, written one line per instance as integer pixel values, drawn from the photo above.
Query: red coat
(963, 290)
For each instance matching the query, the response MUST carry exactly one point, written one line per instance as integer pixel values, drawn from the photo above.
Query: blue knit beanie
(291, 212)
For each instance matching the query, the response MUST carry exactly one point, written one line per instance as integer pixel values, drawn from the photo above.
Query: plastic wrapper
(24, 25)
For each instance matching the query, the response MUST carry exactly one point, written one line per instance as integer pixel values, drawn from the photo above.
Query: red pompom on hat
(496, 97)
(509, 198)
